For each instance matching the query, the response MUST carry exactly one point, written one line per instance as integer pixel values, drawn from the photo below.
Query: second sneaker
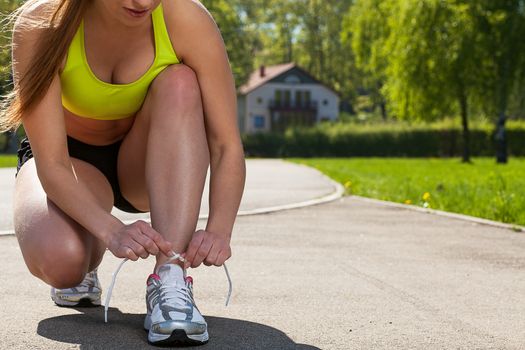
(86, 293)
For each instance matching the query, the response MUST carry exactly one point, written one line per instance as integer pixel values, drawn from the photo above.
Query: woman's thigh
(55, 247)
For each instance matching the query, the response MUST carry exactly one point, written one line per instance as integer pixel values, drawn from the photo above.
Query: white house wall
(318, 92)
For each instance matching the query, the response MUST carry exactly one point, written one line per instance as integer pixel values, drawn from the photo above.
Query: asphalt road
(349, 274)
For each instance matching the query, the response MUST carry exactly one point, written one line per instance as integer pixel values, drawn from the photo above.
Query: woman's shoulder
(31, 20)
(35, 14)
(192, 7)
(187, 21)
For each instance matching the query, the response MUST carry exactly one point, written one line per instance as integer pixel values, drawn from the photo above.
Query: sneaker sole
(177, 338)
(84, 302)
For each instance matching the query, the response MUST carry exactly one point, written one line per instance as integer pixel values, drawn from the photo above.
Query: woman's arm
(45, 127)
(201, 47)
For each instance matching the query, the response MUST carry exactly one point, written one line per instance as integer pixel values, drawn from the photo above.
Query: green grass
(7, 161)
(483, 189)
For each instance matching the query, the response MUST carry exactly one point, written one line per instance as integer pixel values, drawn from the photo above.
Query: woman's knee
(55, 248)
(62, 267)
(178, 84)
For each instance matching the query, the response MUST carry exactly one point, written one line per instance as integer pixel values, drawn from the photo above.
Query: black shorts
(104, 158)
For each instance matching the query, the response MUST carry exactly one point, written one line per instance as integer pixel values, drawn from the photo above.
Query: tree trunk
(501, 140)
(382, 105)
(379, 97)
(466, 133)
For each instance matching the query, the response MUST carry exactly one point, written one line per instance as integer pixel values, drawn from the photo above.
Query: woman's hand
(209, 248)
(136, 240)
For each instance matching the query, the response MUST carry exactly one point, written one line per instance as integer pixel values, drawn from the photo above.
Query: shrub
(442, 139)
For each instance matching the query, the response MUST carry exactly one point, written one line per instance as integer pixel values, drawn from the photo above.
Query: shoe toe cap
(167, 327)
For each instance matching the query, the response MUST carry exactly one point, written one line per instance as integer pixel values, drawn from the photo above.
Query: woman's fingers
(137, 248)
(141, 240)
(208, 248)
(145, 242)
(202, 252)
(163, 245)
(211, 259)
(193, 247)
(223, 256)
(127, 252)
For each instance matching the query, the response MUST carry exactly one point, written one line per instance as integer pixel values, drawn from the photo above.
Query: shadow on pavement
(125, 331)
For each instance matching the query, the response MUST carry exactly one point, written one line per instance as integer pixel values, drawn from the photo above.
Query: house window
(325, 102)
(258, 121)
(307, 96)
(278, 97)
(287, 98)
(283, 98)
(259, 100)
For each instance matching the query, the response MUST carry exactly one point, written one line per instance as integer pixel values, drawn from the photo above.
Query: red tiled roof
(270, 72)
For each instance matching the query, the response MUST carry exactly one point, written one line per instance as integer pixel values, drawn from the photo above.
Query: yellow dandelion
(348, 184)
(426, 196)
(408, 201)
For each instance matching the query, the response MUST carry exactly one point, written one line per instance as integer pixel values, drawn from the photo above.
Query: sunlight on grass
(483, 189)
(7, 161)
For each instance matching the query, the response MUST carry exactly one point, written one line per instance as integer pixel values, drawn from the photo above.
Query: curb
(337, 193)
(513, 227)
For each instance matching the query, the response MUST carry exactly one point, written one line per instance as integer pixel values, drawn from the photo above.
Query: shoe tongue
(171, 273)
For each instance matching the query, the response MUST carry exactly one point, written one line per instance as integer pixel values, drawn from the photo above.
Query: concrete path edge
(481, 221)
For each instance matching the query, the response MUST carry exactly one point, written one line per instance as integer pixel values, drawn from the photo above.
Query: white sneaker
(87, 293)
(173, 317)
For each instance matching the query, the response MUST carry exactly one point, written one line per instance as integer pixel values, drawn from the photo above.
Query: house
(283, 95)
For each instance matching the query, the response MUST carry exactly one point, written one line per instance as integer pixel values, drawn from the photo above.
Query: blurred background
(419, 102)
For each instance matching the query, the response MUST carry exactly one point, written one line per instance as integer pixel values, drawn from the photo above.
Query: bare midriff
(96, 132)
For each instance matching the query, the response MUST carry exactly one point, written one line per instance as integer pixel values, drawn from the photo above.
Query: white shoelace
(179, 296)
(174, 257)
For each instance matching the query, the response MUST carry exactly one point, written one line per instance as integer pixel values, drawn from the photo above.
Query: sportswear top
(87, 96)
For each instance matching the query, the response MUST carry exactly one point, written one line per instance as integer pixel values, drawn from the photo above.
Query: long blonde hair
(58, 32)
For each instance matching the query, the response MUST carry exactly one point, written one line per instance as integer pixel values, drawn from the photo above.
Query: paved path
(270, 184)
(349, 274)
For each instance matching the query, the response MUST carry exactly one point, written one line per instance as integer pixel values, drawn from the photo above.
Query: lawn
(483, 188)
(7, 161)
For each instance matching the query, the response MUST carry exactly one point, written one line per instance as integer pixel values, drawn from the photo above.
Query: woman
(125, 103)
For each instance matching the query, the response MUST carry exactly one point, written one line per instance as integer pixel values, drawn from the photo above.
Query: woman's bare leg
(55, 248)
(164, 158)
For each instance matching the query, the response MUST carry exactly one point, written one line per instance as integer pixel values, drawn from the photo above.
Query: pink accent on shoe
(189, 279)
(154, 276)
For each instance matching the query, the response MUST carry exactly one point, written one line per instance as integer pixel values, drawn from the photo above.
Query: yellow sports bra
(87, 96)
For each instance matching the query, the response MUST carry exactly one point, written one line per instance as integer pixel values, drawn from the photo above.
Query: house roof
(271, 72)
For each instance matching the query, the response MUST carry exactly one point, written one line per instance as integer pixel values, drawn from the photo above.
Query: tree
(364, 33)
(501, 28)
(237, 40)
(433, 64)
(319, 44)
(443, 57)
